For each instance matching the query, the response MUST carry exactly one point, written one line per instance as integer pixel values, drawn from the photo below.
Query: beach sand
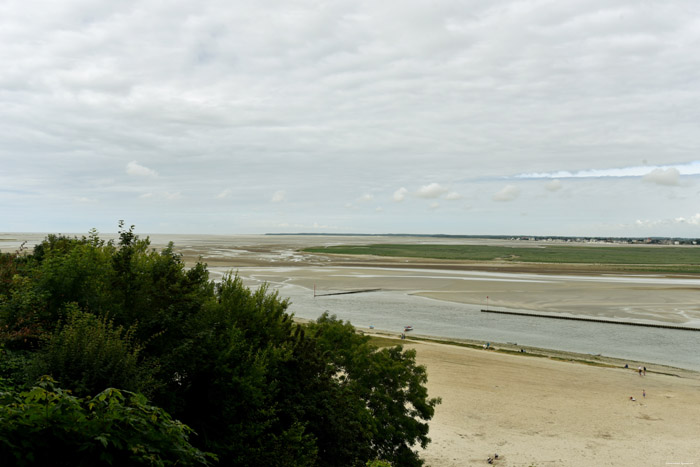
(542, 412)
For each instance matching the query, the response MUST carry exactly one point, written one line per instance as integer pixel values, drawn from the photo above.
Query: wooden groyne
(592, 320)
(345, 293)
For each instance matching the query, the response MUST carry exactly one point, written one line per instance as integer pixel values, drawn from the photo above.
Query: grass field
(638, 258)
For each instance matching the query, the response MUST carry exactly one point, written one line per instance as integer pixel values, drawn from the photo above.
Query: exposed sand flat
(542, 412)
(642, 298)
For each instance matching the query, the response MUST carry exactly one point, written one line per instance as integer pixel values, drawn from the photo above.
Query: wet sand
(576, 290)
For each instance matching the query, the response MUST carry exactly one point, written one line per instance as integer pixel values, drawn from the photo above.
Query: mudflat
(586, 290)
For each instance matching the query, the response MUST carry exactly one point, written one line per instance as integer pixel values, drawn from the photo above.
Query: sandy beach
(543, 412)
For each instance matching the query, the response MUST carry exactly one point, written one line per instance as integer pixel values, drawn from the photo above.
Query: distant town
(528, 238)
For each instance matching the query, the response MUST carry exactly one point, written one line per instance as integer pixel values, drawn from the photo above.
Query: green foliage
(89, 354)
(378, 463)
(395, 405)
(22, 314)
(227, 361)
(227, 375)
(46, 425)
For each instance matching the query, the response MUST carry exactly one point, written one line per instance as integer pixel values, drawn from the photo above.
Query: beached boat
(408, 328)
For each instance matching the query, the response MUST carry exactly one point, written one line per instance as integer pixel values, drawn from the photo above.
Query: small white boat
(408, 328)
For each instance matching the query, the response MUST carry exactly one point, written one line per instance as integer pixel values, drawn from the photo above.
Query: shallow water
(392, 311)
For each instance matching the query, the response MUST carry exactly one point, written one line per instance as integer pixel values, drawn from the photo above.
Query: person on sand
(640, 371)
(632, 398)
(645, 371)
(644, 393)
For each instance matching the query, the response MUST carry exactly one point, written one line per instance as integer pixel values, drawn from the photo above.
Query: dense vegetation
(681, 259)
(116, 354)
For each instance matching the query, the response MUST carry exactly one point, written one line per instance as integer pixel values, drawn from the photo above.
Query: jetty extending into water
(592, 320)
(345, 293)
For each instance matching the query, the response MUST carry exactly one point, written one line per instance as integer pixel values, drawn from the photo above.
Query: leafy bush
(46, 425)
(88, 354)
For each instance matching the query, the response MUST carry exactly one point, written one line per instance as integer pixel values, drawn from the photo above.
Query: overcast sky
(457, 117)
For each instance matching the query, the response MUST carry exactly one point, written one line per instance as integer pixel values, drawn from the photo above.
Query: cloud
(453, 195)
(434, 190)
(507, 193)
(668, 177)
(650, 223)
(84, 199)
(330, 103)
(225, 194)
(434, 206)
(366, 198)
(553, 185)
(689, 168)
(136, 169)
(279, 196)
(692, 220)
(400, 194)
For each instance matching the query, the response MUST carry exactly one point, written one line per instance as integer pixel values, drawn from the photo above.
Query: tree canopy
(127, 357)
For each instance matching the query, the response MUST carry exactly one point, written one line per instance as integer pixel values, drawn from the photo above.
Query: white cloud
(259, 99)
(279, 196)
(434, 205)
(225, 194)
(84, 199)
(689, 168)
(366, 198)
(668, 177)
(134, 168)
(649, 223)
(400, 194)
(507, 193)
(453, 195)
(693, 220)
(434, 190)
(172, 196)
(553, 185)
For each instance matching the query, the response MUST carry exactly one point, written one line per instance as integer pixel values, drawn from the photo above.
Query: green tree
(391, 386)
(89, 354)
(230, 362)
(46, 425)
(225, 379)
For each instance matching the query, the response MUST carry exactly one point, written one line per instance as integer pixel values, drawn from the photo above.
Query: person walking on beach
(645, 371)
(644, 393)
(640, 371)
